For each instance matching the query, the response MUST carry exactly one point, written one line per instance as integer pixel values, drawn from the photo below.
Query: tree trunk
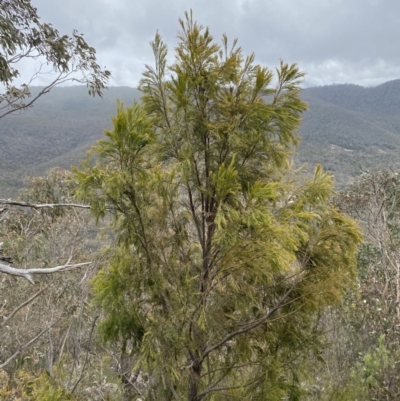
(194, 381)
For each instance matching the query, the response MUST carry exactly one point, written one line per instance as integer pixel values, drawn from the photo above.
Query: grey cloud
(333, 40)
(321, 29)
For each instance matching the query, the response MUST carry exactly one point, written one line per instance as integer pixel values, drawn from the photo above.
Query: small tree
(67, 58)
(41, 238)
(222, 256)
(370, 319)
(46, 330)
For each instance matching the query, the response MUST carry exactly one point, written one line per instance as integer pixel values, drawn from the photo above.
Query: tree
(370, 318)
(222, 254)
(24, 37)
(39, 238)
(46, 330)
(29, 273)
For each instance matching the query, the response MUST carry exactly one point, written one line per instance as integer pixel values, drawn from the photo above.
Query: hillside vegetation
(348, 129)
(56, 132)
(221, 271)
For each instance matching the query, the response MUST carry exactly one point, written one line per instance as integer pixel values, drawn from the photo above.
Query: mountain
(348, 129)
(57, 131)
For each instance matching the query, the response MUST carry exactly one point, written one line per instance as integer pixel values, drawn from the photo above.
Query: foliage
(63, 357)
(223, 255)
(24, 37)
(31, 388)
(41, 239)
(375, 201)
(361, 361)
(368, 379)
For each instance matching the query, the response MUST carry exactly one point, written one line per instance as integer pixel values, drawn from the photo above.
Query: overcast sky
(334, 41)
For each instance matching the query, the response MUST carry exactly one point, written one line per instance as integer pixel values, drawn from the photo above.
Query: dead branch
(41, 206)
(28, 273)
(87, 355)
(19, 307)
(26, 345)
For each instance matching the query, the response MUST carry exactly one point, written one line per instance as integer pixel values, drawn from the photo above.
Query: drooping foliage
(222, 255)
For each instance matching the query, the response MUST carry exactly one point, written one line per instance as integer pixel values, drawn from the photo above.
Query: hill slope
(57, 131)
(348, 128)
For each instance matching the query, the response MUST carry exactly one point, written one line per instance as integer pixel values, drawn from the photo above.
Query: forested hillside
(186, 257)
(351, 129)
(56, 132)
(348, 129)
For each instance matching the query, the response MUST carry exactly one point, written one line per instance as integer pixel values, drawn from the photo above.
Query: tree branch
(251, 325)
(41, 206)
(26, 345)
(87, 355)
(19, 307)
(27, 273)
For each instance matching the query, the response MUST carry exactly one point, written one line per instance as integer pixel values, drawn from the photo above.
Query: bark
(194, 381)
(28, 273)
(40, 206)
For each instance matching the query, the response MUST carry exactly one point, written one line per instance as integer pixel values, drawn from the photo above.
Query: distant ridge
(381, 99)
(57, 131)
(348, 129)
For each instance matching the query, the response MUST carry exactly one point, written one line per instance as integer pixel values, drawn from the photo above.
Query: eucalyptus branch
(45, 90)
(41, 206)
(28, 273)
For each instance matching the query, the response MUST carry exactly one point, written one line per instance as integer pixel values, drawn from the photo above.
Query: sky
(333, 41)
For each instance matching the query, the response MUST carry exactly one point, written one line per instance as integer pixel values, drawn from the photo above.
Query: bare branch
(87, 355)
(41, 206)
(27, 273)
(19, 307)
(26, 345)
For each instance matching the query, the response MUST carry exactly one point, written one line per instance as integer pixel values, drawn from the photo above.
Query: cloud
(333, 40)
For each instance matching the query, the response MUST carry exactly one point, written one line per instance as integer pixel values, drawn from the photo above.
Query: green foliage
(360, 362)
(23, 35)
(368, 379)
(26, 387)
(223, 255)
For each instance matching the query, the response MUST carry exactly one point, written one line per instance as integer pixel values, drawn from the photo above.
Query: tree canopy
(222, 255)
(24, 37)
